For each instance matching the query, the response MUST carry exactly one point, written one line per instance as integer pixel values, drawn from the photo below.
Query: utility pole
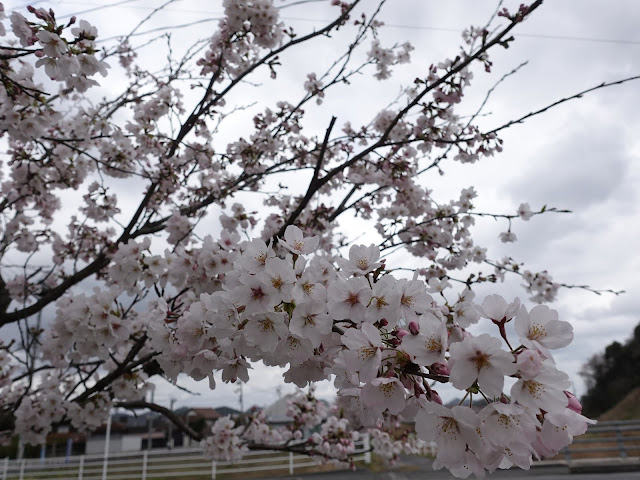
(172, 400)
(150, 422)
(239, 391)
(279, 391)
(107, 441)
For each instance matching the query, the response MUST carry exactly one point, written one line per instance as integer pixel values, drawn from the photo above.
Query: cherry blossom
(540, 329)
(189, 280)
(480, 359)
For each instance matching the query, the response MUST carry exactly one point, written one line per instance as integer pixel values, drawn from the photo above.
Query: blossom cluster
(199, 305)
(68, 60)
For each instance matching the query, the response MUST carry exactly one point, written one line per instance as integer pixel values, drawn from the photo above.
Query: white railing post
(5, 468)
(367, 448)
(81, 467)
(290, 463)
(213, 469)
(107, 440)
(22, 469)
(145, 455)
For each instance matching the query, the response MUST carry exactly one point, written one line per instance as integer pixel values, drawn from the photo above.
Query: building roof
(223, 411)
(206, 413)
(277, 411)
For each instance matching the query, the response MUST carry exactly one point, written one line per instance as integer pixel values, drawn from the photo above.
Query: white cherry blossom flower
(295, 349)
(384, 394)
(364, 355)
(508, 237)
(22, 30)
(414, 298)
(438, 286)
(254, 258)
(529, 363)
(540, 329)
(385, 301)
(220, 313)
(495, 308)
(265, 330)
(52, 44)
(544, 392)
(362, 260)
(348, 299)
(307, 289)
(453, 429)
(279, 274)
(506, 424)
(524, 211)
(311, 321)
(255, 295)
(430, 344)
(559, 428)
(480, 358)
(296, 243)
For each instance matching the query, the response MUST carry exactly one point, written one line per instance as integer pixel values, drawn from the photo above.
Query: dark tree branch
(311, 190)
(169, 414)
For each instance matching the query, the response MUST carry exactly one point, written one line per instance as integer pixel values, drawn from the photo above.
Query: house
(125, 442)
(276, 413)
(231, 412)
(200, 419)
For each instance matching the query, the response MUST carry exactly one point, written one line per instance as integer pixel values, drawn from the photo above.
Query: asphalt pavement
(414, 468)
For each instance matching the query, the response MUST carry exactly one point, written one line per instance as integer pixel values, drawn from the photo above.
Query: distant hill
(626, 409)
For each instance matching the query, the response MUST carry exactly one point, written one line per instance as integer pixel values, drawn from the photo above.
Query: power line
(522, 34)
(98, 8)
(315, 20)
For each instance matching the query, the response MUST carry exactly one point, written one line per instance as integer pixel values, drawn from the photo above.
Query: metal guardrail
(613, 434)
(159, 464)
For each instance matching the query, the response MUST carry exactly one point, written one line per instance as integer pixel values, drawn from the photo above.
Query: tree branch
(169, 414)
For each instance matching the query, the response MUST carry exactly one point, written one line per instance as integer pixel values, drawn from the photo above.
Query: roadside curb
(601, 465)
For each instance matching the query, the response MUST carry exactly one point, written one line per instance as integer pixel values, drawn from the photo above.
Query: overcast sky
(581, 156)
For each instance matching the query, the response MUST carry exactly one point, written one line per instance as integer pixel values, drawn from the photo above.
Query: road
(414, 468)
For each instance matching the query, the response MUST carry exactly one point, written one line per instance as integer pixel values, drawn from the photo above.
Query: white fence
(159, 464)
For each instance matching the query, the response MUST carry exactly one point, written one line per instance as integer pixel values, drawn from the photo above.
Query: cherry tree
(98, 296)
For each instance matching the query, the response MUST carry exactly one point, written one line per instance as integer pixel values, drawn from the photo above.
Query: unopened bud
(414, 328)
(574, 404)
(383, 322)
(435, 397)
(406, 382)
(400, 333)
(440, 368)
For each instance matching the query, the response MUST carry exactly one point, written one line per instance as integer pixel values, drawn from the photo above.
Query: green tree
(612, 374)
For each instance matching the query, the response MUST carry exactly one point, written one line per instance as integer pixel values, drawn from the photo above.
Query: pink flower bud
(401, 332)
(383, 322)
(414, 328)
(407, 383)
(574, 404)
(435, 397)
(440, 368)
